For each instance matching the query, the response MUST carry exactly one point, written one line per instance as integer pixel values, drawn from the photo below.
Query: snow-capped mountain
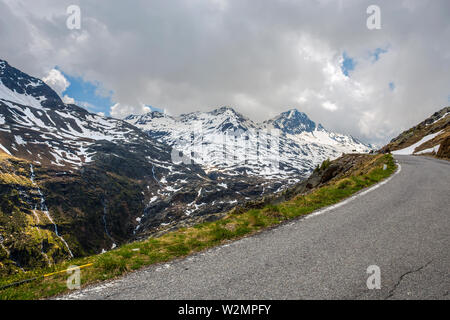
(286, 147)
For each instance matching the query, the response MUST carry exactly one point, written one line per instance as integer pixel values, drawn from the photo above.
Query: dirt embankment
(444, 149)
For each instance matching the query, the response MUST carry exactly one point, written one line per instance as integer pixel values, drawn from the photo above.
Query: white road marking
(359, 194)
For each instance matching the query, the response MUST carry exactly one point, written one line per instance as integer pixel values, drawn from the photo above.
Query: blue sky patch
(86, 94)
(348, 64)
(375, 54)
(154, 108)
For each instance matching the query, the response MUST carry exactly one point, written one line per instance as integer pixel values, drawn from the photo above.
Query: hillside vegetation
(46, 217)
(329, 184)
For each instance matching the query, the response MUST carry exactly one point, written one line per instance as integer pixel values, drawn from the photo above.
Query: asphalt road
(402, 226)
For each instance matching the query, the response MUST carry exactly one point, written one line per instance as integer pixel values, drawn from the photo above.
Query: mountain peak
(146, 119)
(293, 122)
(224, 109)
(294, 113)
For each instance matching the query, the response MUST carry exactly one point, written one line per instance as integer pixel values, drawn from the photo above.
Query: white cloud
(121, 111)
(56, 80)
(329, 106)
(68, 100)
(188, 55)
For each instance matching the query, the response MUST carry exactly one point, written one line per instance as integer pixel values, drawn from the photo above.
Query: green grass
(186, 241)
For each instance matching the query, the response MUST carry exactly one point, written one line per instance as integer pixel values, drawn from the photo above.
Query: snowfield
(410, 150)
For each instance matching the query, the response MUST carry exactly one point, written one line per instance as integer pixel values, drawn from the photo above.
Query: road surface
(402, 226)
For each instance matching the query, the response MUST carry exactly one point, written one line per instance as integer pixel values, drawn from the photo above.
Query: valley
(76, 183)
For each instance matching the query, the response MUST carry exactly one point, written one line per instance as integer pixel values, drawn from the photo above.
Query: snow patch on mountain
(7, 94)
(410, 150)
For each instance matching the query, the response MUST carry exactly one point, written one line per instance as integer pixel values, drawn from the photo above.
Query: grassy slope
(75, 203)
(185, 241)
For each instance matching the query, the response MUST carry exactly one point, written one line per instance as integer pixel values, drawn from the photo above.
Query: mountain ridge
(303, 144)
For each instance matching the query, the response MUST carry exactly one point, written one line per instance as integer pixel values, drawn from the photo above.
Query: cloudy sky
(260, 56)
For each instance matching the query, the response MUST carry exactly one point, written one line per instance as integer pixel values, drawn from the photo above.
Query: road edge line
(355, 196)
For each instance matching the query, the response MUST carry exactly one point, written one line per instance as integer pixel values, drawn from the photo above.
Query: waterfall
(154, 176)
(106, 227)
(44, 209)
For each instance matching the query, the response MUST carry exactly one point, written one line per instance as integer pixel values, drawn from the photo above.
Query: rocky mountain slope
(73, 183)
(430, 137)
